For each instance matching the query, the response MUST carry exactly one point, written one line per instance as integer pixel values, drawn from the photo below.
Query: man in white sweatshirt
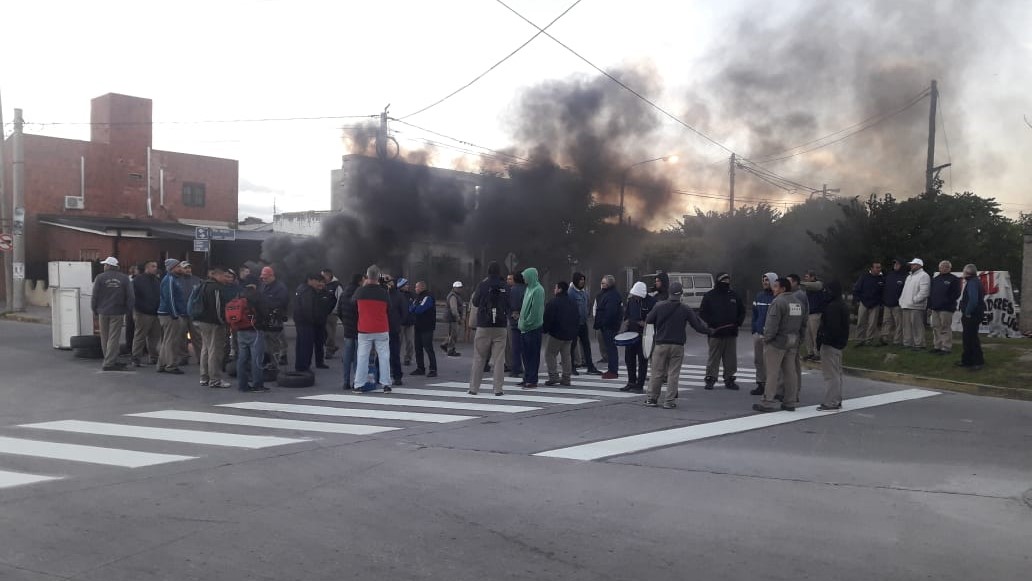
(914, 302)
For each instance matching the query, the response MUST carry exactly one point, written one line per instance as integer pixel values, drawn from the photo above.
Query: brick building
(116, 195)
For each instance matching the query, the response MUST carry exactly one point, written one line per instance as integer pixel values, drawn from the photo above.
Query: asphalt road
(903, 484)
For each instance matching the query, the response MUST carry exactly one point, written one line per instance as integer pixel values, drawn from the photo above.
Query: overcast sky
(260, 59)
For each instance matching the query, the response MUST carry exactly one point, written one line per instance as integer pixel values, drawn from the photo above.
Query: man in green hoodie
(532, 318)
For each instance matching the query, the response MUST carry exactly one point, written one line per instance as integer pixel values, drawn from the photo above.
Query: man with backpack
(206, 306)
(246, 316)
(492, 302)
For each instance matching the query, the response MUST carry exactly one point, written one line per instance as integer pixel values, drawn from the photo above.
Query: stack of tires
(86, 347)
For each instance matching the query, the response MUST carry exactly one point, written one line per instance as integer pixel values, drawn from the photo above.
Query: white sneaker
(204, 383)
(219, 384)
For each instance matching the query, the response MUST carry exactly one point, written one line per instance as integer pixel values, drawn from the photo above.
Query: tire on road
(88, 353)
(295, 379)
(85, 342)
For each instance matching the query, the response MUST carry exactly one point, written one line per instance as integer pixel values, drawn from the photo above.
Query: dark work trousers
(310, 341)
(531, 355)
(425, 344)
(130, 330)
(612, 355)
(583, 340)
(394, 341)
(637, 365)
(517, 351)
(972, 354)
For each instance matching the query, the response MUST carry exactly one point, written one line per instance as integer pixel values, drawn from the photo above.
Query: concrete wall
(1025, 318)
(300, 223)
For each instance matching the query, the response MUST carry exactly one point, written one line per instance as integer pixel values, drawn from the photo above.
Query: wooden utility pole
(930, 165)
(5, 219)
(18, 229)
(731, 182)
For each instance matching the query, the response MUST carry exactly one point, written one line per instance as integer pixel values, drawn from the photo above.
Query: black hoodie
(562, 318)
(347, 312)
(664, 292)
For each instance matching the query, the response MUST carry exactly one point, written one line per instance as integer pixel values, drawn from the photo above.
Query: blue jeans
(348, 359)
(250, 353)
(381, 343)
(531, 344)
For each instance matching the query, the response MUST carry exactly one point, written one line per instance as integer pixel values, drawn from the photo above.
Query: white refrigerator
(71, 290)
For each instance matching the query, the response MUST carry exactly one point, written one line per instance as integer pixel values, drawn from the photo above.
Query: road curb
(24, 318)
(937, 383)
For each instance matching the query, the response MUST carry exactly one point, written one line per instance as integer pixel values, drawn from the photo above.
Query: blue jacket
(944, 293)
(894, 281)
(173, 302)
(516, 303)
(560, 318)
(869, 290)
(759, 310)
(581, 298)
(607, 310)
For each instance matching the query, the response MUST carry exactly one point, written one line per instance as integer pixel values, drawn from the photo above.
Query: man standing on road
(347, 312)
(942, 301)
(211, 323)
(333, 288)
(408, 323)
(112, 300)
(374, 327)
(670, 318)
(892, 315)
(914, 301)
(532, 318)
(639, 303)
(834, 336)
(454, 317)
(171, 315)
(246, 315)
(582, 344)
(560, 324)
(192, 334)
(607, 320)
(425, 312)
(275, 297)
(815, 299)
(517, 288)
(492, 303)
(781, 335)
(397, 314)
(759, 317)
(723, 310)
(869, 291)
(312, 306)
(661, 287)
(147, 298)
(972, 309)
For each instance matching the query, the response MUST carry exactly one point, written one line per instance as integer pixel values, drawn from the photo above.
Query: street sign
(202, 233)
(19, 271)
(202, 245)
(6, 242)
(223, 234)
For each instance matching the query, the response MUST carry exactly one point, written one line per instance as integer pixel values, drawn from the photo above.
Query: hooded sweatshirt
(580, 297)
(532, 314)
(760, 305)
(561, 320)
(639, 304)
(723, 310)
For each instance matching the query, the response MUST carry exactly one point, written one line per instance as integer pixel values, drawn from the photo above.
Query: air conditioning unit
(75, 203)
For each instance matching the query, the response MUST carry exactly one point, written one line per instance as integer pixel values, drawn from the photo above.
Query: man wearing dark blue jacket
(723, 310)
(275, 296)
(147, 290)
(425, 312)
(561, 324)
(869, 291)
(892, 314)
(607, 320)
(759, 316)
(312, 305)
(517, 288)
(172, 316)
(942, 301)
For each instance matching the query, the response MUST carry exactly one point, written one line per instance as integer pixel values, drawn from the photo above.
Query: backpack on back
(496, 306)
(239, 314)
(195, 304)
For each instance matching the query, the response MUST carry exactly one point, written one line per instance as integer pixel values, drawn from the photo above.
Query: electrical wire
(463, 142)
(492, 67)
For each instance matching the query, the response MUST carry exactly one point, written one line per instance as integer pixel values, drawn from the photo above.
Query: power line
(864, 125)
(463, 142)
(492, 67)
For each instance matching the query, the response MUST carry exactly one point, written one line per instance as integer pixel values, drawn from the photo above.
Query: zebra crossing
(439, 403)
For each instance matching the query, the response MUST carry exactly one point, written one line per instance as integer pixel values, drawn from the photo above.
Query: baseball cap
(110, 261)
(402, 282)
(676, 289)
(457, 284)
(171, 263)
(185, 264)
(721, 276)
(917, 261)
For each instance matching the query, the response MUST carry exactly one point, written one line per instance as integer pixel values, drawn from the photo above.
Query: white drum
(648, 339)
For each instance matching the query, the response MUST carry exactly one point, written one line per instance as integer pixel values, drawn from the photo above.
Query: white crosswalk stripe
(650, 440)
(421, 403)
(88, 454)
(9, 479)
(348, 412)
(487, 390)
(165, 434)
(272, 423)
(600, 392)
(578, 382)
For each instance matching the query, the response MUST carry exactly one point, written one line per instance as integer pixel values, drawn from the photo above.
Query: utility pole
(930, 166)
(824, 191)
(731, 174)
(5, 219)
(18, 184)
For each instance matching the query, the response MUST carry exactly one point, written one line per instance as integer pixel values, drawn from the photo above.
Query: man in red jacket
(373, 301)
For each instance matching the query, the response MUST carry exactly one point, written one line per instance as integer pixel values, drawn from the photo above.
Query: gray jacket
(785, 319)
(112, 294)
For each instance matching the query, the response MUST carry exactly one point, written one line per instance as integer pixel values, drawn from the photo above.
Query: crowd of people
(238, 316)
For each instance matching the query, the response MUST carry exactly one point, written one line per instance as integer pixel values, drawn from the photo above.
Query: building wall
(299, 223)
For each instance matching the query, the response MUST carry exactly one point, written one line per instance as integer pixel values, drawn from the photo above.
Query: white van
(695, 285)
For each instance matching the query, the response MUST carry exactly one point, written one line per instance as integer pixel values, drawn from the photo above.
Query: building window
(193, 195)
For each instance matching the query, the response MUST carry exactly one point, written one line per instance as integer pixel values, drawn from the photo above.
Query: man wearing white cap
(456, 308)
(914, 302)
(112, 300)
